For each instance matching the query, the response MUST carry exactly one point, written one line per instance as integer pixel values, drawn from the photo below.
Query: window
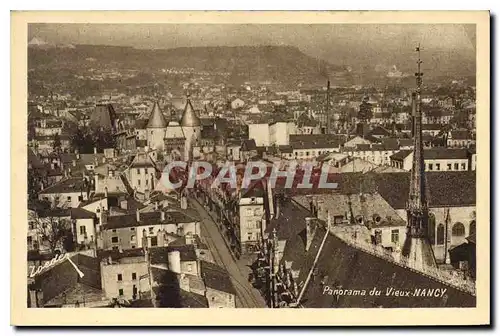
(432, 228)
(430, 166)
(138, 182)
(138, 170)
(151, 230)
(449, 166)
(114, 239)
(120, 292)
(115, 248)
(114, 231)
(80, 198)
(472, 228)
(440, 234)
(395, 236)
(307, 153)
(83, 229)
(249, 236)
(30, 240)
(154, 241)
(438, 166)
(134, 276)
(458, 230)
(119, 277)
(133, 246)
(455, 166)
(132, 238)
(463, 166)
(132, 229)
(69, 198)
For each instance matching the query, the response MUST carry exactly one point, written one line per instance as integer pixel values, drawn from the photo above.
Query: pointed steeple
(189, 117)
(417, 248)
(156, 118)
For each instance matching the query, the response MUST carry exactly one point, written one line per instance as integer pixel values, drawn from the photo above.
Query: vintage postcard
(298, 168)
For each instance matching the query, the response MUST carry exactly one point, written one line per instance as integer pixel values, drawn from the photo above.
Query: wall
(250, 221)
(89, 234)
(464, 215)
(218, 299)
(141, 178)
(111, 285)
(70, 199)
(260, 133)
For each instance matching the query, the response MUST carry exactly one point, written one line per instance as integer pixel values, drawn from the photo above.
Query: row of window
(134, 291)
(449, 166)
(68, 199)
(457, 230)
(119, 276)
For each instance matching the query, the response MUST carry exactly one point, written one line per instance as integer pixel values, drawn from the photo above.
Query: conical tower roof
(189, 117)
(156, 118)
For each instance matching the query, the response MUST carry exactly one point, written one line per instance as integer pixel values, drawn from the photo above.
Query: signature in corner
(57, 259)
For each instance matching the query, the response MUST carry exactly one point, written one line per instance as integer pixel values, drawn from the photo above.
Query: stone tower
(191, 126)
(156, 128)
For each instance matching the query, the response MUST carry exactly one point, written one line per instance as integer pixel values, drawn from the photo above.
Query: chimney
(124, 204)
(311, 226)
(278, 206)
(162, 215)
(137, 215)
(184, 202)
(156, 205)
(184, 283)
(320, 210)
(110, 260)
(95, 150)
(161, 237)
(174, 261)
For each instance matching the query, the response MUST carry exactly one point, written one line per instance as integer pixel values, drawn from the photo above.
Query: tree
(51, 230)
(36, 178)
(56, 145)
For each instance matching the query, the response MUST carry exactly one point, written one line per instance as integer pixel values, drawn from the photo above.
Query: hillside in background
(276, 63)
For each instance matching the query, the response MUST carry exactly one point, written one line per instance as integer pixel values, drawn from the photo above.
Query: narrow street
(246, 295)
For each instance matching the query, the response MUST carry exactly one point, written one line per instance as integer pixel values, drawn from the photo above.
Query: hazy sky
(312, 38)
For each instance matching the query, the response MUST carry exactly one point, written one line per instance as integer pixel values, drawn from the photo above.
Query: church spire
(417, 247)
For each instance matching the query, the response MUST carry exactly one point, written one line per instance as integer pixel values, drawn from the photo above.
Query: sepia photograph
(275, 165)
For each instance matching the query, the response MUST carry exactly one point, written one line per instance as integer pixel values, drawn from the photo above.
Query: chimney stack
(162, 215)
(137, 215)
(311, 226)
(95, 150)
(156, 205)
(174, 261)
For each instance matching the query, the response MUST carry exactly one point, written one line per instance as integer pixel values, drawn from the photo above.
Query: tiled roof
(342, 266)
(147, 218)
(174, 297)
(435, 153)
(63, 276)
(159, 255)
(80, 213)
(453, 188)
(70, 185)
(216, 277)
